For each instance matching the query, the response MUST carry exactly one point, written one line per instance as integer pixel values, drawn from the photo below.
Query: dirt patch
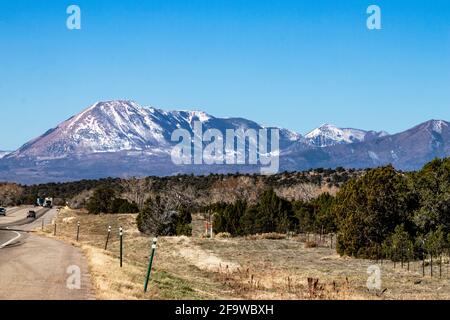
(202, 259)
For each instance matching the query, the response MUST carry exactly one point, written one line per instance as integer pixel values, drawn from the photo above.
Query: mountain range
(123, 139)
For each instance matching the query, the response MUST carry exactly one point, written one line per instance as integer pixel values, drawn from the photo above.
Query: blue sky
(294, 64)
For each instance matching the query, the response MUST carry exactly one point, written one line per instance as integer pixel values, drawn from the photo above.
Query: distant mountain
(4, 153)
(330, 135)
(120, 126)
(124, 139)
(120, 138)
(408, 150)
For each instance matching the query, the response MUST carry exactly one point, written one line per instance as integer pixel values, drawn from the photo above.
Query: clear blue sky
(295, 64)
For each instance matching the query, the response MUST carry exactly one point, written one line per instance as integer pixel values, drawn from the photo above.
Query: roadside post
(409, 255)
(431, 264)
(107, 237)
(149, 270)
(78, 230)
(423, 258)
(423, 265)
(121, 245)
(54, 231)
(331, 241)
(211, 229)
(402, 252)
(42, 224)
(381, 255)
(322, 235)
(395, 255)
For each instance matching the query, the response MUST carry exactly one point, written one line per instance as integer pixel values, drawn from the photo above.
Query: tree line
(16, 194)
(397, 215)
(273, 214)
(383, 213)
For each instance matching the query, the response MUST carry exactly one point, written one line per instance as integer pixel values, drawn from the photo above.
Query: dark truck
(3, 212)
(31, 214)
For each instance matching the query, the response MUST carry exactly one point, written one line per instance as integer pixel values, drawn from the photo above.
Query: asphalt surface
(14, 215)
(6, 237)
(40, 268)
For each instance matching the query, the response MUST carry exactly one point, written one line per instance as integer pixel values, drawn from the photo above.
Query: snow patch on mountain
(115, 126)
(438, 125)
(329, 135)
(4, 154)
(373, 156)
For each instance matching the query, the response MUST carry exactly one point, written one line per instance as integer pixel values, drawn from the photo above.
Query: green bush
(124, 206)
(101, 201)
(104, 200)
(369, 209)
(270, 214)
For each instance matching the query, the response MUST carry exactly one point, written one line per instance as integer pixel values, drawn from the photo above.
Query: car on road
(3, 212)
(31, 214)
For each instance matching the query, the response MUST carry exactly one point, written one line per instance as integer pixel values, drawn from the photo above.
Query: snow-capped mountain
(407, 150)
(118, 126)
(4, 154)
(124, 139)
(330, 135)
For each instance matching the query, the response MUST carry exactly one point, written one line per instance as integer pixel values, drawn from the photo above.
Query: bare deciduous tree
(137, 190)
(9, 193)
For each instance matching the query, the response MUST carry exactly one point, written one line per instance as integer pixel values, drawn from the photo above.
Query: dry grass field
(232, 268)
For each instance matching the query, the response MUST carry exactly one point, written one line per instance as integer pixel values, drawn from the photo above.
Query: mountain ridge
(122, 125)
(121, 138)
(328, 135)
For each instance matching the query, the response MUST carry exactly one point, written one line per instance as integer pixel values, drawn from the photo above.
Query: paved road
(8, 237)
(14, 215)
(36, 268)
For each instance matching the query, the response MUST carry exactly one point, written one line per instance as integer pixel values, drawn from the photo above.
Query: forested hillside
(202, 190)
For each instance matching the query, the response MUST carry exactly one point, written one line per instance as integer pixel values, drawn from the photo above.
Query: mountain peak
(197, 115)
(125, 126)
(120, 137)
(436, 125)
(432, 126)
(327, 126)
(113, 104)
(329, 135)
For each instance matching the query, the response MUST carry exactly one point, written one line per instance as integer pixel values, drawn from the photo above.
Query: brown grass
(267, 236)
(310, 244)
(231, 268)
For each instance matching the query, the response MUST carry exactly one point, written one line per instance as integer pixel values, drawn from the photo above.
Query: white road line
(12, 240)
